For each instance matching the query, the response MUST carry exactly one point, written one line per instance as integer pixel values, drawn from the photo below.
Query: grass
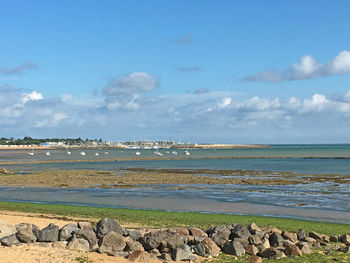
(149, 218)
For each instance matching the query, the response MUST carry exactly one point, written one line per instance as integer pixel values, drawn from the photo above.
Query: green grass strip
(150, 218)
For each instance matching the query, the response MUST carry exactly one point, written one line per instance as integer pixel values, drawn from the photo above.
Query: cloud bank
(307, 68)
(19, 70)
(125, 110)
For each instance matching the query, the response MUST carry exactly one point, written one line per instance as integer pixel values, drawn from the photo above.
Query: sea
(322, 201)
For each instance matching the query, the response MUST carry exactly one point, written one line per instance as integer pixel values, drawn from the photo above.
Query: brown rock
(85, 225)
(255, 259)
(253, 228)
(60, 244)
(315, 235)
(290, 236)
(292, 250)
(310, 240)
(140, 256)
(333, 238)
(304, 247)
(182, 231)
(272, 252)
(112, 242)
(251, 250)
(211, 248)
(196, 232)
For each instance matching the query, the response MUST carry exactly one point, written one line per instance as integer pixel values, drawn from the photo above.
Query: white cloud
(307, 68)
(224, 102)
(31, 96)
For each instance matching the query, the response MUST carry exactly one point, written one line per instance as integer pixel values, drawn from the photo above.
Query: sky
(202, 71)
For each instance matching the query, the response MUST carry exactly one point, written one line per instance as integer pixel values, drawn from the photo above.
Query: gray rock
(132, 245)
(67, 231)
(196, 232)
(272, 253)
(79, 244)
(112, 242)
(48, 234)
(301, 234)
(304, 247)
(173, 241)
(85, 226)
(25, 236)
(134, 234)
(240, 231)
(6, 229)
(24, 227)
(276, 240)
(255, 240)
(36, 230)
(345, 239)
(154, 239)
(233, 248)
(243, 241)
(220, 237)
(106, 225)
(207, 248)
(315, 235)
(182, 253)
(89, 235)
(345, 249)
(9, 241)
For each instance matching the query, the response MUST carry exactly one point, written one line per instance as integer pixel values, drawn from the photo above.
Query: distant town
(29, 142)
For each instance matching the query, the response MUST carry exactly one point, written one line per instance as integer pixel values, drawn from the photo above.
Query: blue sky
(204, 71)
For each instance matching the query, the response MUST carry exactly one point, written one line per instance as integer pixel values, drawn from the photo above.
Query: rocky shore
(172, 244)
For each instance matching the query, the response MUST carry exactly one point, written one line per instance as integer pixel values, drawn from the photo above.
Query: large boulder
(154, 239)
(106, 225)
(182, 253)
(207, 248)
(233, 248)
(25, 236)
(276, 240)
(9, 241)
(48, 234)
(79, 244)
(134, 234)
(240, 231)
(112, 241)
(6, 229)
(196, 232)
(272, 253)
(67, 231)
(301, 234)
(89, 235)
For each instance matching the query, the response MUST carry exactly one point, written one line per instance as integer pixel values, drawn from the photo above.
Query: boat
(82, 153)
(47, 153)
(187, 153)
(174, 152)
(31, 153)
(138, 153)
(106, 153)
(68, 152)
(97, 154)
(158, 153)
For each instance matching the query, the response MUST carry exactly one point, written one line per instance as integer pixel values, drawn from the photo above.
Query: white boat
(48, 153)
(187, 153)
(82, 153)
(106, 153)
(174, 152)
(97, 154)
(31, 153)
(68, 152)
(138, 153)
(158, 153)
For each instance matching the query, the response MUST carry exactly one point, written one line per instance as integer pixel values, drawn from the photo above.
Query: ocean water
(323, 201)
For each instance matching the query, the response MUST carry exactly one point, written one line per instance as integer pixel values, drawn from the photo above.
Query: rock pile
(175, 243)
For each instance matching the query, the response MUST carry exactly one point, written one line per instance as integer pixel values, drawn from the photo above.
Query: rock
(233, 248)
(255, 259)
(9, 241)
(24, 227)
(25, 236)
(173, 241)
(112, 242)
(221, 235)
(134, 234)
(333, 238)
(292, 250)
(315, 235)
(243, 241)
(106, 225)
(122, 254)
(345, 249)
(154, 252)
(254, 240)
(6, 229)
(40, 244)
(304, 247)
(253, 228)
(89, 235)
(196, 232)
(272, 253)
(310, 240)
(67, 231)
(79, 244)
(271, 229)
(153, 239)
(36, 230)
(85, 226)
(60, 244)
(317, 245)
(166, 257)
(326, 239)
(182, 231)
(140, 256)
(301, 234)
(290, 236)
(48, 234)
(251, 250)
(132, 245)
(331, 247)
(182, 253)
(276, 240)
(4, 171)
(345, 239)
(207, 248)
(240, 231)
